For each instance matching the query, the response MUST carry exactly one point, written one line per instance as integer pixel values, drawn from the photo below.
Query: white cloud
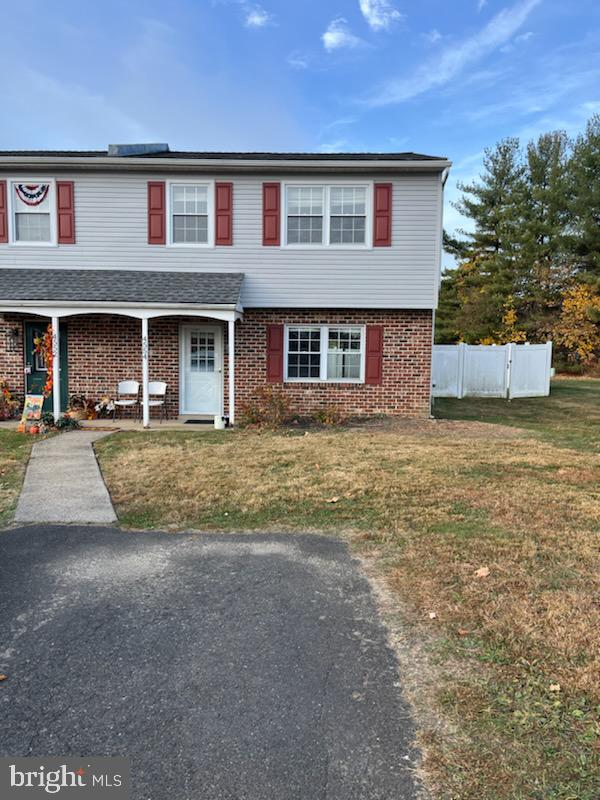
(380, 14)
(297, 60)
(257, 17)
(481, 5)
(338, 35)
(453, 59)
(337, 146)
(433, 36)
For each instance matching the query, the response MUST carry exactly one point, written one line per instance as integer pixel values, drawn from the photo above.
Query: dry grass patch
(14, 452)
(488, 539)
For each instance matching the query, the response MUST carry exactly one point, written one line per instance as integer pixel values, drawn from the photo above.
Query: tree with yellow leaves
(578, 327)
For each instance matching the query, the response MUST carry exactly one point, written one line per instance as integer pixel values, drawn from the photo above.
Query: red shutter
(382, 227)
(156, 213)
(374, 357)
(224, 213)
(65, 211)
(271, 220)
(3, 213)
(274, 353)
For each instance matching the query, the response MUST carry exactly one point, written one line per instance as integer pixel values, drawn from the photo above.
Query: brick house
(222, 272)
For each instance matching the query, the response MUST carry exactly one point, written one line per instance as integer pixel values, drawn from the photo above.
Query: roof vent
(122, 150)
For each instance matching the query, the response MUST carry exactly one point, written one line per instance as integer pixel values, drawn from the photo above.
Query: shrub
(269, 408)
(9, 405)
(329, 415)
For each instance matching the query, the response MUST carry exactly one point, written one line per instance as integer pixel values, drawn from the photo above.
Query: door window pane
(202, 352)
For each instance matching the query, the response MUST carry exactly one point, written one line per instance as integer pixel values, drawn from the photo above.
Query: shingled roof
(120, 286)
(216, 156)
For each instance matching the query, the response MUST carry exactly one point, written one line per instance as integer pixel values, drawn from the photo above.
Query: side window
(304, 353)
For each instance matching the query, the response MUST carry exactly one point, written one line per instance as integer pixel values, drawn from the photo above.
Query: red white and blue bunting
(32, 194)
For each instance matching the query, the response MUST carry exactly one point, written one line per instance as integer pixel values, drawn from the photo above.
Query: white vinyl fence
(510, 370)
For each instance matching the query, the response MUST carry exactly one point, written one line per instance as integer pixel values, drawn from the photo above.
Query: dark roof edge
(224, 162)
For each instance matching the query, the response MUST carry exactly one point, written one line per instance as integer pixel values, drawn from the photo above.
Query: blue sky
(445, 78)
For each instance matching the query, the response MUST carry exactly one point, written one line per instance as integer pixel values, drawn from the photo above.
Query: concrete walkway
(63, 482)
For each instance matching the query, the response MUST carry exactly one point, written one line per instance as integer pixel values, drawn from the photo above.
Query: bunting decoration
(32, 194)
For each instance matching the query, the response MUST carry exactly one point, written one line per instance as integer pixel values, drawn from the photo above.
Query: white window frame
(327, 186)
(324, 351)
(12, 232)
(210, 185)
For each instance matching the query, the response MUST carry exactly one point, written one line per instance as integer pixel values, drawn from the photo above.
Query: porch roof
(22, 287)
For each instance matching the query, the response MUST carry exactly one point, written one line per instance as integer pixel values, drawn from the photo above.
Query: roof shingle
(120, 286)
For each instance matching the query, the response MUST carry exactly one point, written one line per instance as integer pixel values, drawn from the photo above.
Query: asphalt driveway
(251, 667)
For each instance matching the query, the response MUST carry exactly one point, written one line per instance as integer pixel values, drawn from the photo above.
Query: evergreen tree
(544, 265)
(584, 175)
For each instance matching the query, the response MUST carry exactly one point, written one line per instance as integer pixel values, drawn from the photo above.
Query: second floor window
(189, 213)
(32, 205)
(326, 215)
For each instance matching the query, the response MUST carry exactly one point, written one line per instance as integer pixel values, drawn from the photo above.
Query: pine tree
(584, 176)
(544, 265)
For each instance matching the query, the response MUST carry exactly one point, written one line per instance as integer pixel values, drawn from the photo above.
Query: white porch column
(231, 363)
(55, 369)
(145, 374)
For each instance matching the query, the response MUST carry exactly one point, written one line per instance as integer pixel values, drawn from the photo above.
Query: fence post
(509, 359)
(460, 381)
(548, 365)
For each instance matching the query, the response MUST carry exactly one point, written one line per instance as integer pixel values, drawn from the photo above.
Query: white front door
(201, 370)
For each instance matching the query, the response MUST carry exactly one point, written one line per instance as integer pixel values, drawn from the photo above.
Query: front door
(35, 367)
(201, 370)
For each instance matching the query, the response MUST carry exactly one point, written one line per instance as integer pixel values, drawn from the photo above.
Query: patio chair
(157, 391)
(127, 397)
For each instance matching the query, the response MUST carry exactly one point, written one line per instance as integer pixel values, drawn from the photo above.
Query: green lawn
(569, 417)
(14, 452)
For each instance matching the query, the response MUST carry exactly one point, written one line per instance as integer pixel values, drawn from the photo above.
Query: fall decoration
(42, 346)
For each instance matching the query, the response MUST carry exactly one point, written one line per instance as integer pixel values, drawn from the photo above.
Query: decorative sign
(32, 409)
(32, 194)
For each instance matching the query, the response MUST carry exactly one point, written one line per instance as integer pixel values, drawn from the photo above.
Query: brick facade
(104, 349)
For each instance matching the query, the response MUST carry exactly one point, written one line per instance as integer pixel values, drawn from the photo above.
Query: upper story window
(32, 212)
(191, 214)
(335, 215)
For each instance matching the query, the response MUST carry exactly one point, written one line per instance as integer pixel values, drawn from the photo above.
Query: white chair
(157, 391)
(127, 397)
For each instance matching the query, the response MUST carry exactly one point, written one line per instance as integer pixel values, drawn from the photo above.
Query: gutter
(133, 164)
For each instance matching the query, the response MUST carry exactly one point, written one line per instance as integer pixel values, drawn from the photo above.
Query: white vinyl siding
(111, 218)
(330, 353)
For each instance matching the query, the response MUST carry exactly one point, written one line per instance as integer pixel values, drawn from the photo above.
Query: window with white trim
(32, 205)
(305, 215)
(336, 215)
(325, 353)
(348, 215)
(189, 213)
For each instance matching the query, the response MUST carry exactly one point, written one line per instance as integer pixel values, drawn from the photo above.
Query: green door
(36, 368)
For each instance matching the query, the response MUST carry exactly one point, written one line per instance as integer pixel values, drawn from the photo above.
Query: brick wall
(104, 349)
(11, 352)
(406, 374)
